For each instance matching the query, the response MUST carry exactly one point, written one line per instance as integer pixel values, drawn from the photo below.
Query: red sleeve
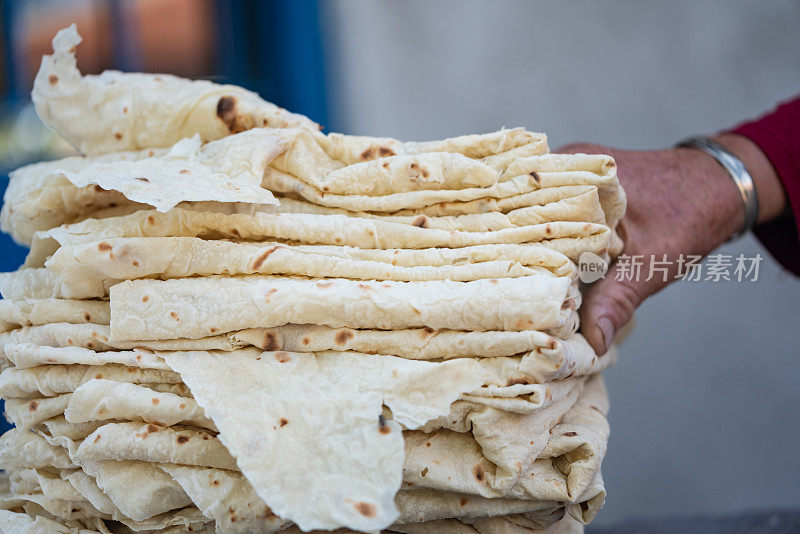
(778, 136)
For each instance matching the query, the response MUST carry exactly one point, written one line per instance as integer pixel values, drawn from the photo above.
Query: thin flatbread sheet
(117, 111)
(195, 307)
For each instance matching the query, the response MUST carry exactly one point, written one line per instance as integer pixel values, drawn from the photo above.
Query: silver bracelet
(737, 171)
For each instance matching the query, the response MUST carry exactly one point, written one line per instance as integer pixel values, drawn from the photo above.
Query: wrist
(714, 194)
(771, 196)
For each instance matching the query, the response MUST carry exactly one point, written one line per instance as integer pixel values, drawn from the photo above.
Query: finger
(607, 306)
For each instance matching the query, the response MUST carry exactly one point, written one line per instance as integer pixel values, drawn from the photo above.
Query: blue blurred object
(274, 48)
(11, 254)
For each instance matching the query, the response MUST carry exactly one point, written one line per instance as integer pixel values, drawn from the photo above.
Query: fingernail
(606, 329)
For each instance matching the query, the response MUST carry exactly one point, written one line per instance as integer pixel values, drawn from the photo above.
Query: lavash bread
(231, 322)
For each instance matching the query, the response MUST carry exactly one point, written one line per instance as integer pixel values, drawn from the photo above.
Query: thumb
(607, 306)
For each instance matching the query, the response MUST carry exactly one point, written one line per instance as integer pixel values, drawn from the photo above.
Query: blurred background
(705, 398)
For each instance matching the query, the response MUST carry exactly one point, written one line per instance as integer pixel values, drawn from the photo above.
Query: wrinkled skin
(680, 201)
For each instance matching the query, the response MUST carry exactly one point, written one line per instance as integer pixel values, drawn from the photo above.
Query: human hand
(681, 202)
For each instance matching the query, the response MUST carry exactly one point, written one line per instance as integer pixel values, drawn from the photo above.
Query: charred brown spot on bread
(463, 501)
(185, 171)
(226, 111)
(87, 316)
(97, 188)
(570, 434)
(96, 438)
(215, 482)
(421, 221)
(125, 109)
(366, 509)
(262, 258)
(343, 335)
(424, 472)
(283, 421)
(213, 330)
(174, 315)
(595, 408)
(182, 439)
(151, 429)
(104, 247)
(365, 287)
(145, 298)
(135, 263)
(425, 173)
(428, 443)
(368, 154)
(155, 401)
(480, 474)
(150, 220)
(536, 177)
(385, 164)
(323, 285)
(32, 406)
(182, 406)
(548, 230)
(427, 330)
(142, 179)
(270, 341)
(385, 151)
(118, 136)
(282, 357)
(517, 380)
(98, 375)
(53, 79)
(306, 341)
(383, 428)
(494, 281)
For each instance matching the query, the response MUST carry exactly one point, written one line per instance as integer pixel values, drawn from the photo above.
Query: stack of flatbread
(231, 322)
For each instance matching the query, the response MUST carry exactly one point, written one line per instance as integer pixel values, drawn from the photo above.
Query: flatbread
(129, 111)
(353, 466)
(569, 238)
(190, 307)
(228, 170)
(89, 270)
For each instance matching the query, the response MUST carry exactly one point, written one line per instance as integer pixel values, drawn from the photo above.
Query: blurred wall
(705, 397)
